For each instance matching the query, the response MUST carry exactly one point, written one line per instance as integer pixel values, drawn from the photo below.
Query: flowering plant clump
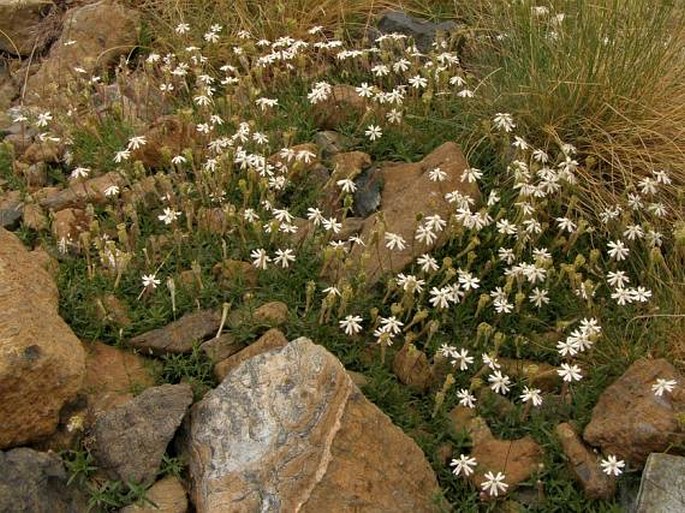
(522, 270)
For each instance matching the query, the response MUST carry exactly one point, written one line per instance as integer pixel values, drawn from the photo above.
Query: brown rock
(231, 272)
(269, 314)
(167, 137)
(343, 105)
(20, 24)
(129, 441)
(213, 220)
(42, 363)
(287, 430)
(630, 421)
(332, 143)
(114, 376)
(461, 417)
(584, 464)
(166, 495)
(69, 224)
(94, 36)
(349, 164)
(273, 313)
(411, 367)
(271, 340)
(222, 347)
(81, 193)
(34, 217)
(517, 459)
(408, 192)
(179, 336)
(536, 374)
(359, 379)
(112, 310)
(47, 151)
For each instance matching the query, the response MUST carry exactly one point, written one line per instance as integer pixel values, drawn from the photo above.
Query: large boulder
(408, 192)
(36, 482)
(93, 37)
(19, 24)
(128, 442)
(630, 421)
(287, 430)
(42, 363)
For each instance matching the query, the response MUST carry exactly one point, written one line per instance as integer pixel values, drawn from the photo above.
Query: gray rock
(179, 336)
(11, 209)
(36, 482)
(367, 197)
(287, 430)
(662, 489)
(128, 442)
(421, 31)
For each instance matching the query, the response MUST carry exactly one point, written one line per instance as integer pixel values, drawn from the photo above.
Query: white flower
(394, 116)
(112, 191)
(427, 263)
(284, 257)
(150, 280)
(169, 216)
(410, 283)
(490, 361)
(463, 465)
(612, 465)
(351, 324)
(466, 398)
(178, 160)
(471, 175)
(617, 279)
(494, 484)
(539, 297)
(364, 90)
(418, 82)
(79, 172)
(504, 121)
(43, 119)
(565, 223)
(391, 325)
(533, 395)
(425, 234)
(394, 241)
(182, 28)
(663, 385)
(440, 297)
(462, 359)
(437, 175)
(121, 156)
(136, 142)
(570, 372)
(315, 216)
(347, 185)
(617, 250)
(331, 224)
(373, 132)
(468, 281)
(259, 258)
(499, 383)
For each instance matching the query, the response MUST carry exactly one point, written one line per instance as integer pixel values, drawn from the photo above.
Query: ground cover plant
(573, 254)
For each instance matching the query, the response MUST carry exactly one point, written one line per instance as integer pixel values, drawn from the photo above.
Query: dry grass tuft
(609, 77)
